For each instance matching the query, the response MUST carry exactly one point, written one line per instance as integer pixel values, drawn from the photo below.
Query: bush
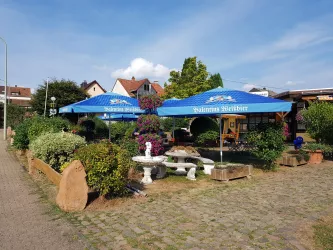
(318, 119)
(33, 127)
(56, 148)
(207, 136)
(156, 143)
(15, 115)
(40, 125)
(93, 127)
(21, 138)
(107, 166)
(148, 123)
(130, 130)
(202, 124)
(167, 123)
(268, 142)
(118, 130)
(131, 145)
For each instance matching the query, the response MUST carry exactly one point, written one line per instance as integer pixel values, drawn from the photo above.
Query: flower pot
(316, 157)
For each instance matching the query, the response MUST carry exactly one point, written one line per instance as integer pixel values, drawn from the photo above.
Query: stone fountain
(149, 162)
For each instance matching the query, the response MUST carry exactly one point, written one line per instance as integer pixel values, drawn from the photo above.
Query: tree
(318, 119)
(65, 91)
(191, 80)
(216, 80)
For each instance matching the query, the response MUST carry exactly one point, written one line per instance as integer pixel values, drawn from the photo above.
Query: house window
(94, 88)
(15, 93)
(146, 87)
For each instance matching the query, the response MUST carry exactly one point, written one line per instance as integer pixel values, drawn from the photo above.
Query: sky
(281, 45)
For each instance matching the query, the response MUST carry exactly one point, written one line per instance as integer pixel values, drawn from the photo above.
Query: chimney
(15, 86)
(133, 78)
(156, 82)
(264, 88)
(84, 84)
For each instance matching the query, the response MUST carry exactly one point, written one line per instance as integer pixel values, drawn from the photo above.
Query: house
(17, 95)
(93, 88)
(300, 99)
(136, 88)
(263, 92)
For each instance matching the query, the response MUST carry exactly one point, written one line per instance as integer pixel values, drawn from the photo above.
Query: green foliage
(33, 127)
(207, 136)
(21, 139)
(167, 123)
(216, 80)
(40, 125)
(193, 79)
(56, 148)
(202, 124)
(318, 146)
(92, 128)
(131, 145)
(129, 131)
(118, 130)
(107, 166)
(15, 115)
(318, 119)
(65, 91)
(268, 143)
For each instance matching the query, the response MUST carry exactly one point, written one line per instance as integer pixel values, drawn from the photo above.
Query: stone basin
(148, 161)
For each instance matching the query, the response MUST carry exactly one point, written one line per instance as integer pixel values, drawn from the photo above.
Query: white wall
(94, 92)
(119, 89)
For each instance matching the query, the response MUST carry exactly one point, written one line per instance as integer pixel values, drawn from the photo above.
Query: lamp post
(47, 88)
(53, 111)
(5, 104)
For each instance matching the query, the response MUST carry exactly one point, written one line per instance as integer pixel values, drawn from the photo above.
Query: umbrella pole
(173, 127)
(109, 129)
(221, 143)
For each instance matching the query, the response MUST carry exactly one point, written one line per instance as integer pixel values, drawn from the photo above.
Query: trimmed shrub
(148, 123)
(268, 143)
(21, 138)
(131, 145)
(156, 143)
(130, 130)
(207, 136)
(202, 124)
(40, 125)
(118, 130)
(107, 166)
(167, 123)
(56, 148)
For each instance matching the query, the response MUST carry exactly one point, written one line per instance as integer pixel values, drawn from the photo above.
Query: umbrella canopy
(222, 101)
(105, 103)
(119, 117)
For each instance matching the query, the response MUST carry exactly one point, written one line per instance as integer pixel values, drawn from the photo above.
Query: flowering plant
(148, 123)
(156, 143)
(285, 129)
(150, 102)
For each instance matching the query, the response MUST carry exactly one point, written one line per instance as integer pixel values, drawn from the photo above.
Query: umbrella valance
(105, 103)
(223, 101)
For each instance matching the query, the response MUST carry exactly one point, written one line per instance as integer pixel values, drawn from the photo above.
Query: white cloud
(141, 68)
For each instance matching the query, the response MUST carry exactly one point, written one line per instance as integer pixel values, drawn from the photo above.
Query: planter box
(292, 161)
(316, 157)
(229, 172)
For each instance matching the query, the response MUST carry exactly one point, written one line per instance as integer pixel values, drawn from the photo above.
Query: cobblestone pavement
(262, 213)
(26, 222)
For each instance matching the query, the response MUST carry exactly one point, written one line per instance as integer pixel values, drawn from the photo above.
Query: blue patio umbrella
(105, 103)
(170, 102)
(220, 101)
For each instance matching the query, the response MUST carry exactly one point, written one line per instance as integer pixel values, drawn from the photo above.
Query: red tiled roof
(23, 92)
(92, 83)
(158, 88)
(131, 85)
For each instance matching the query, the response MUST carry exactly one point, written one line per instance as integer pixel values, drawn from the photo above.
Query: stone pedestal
(208, 168)
(73, 188)
(161, 171)
(147, 176)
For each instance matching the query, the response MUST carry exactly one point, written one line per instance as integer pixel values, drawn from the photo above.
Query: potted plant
(316, 152)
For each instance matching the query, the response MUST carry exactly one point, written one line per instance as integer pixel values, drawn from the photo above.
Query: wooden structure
(231, 123)
(231, 171)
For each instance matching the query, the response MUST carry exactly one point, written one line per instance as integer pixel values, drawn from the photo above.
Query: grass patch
(323, 233)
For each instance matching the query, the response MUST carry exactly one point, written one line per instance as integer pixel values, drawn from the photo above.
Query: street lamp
(5, 106)
(53, 111)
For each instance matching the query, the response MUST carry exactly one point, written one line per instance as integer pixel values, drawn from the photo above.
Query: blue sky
(283, 45)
